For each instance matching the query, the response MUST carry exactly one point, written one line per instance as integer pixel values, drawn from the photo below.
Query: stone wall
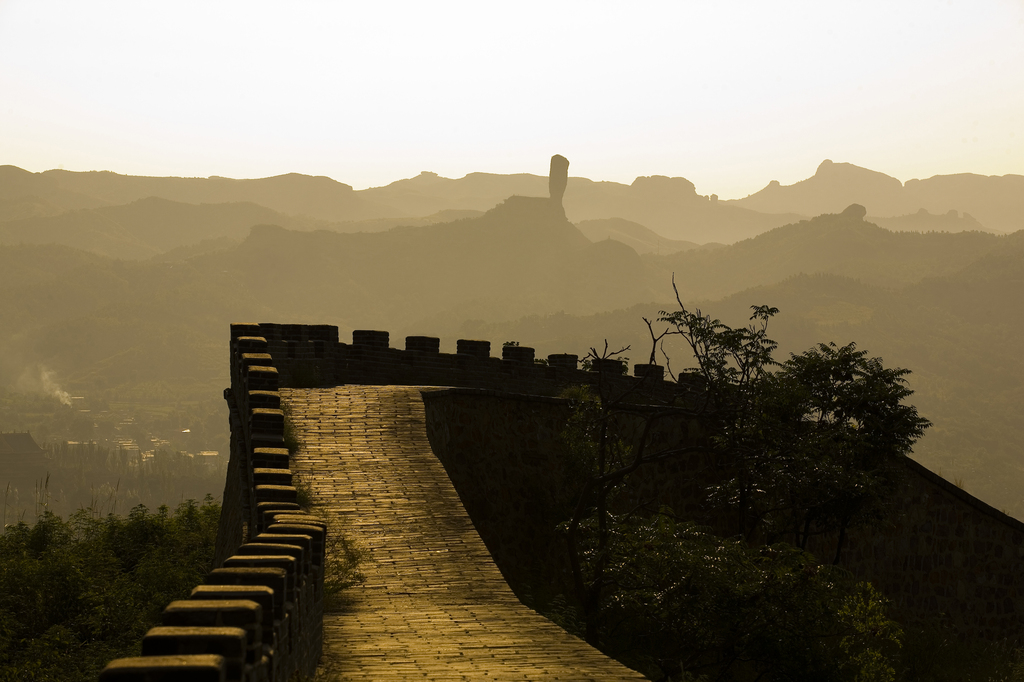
(948, 558)
(259, 614)
(312, 355)
(502, 453)
(505, 455)
(943, 557)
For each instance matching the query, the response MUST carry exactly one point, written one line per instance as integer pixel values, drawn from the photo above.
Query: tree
(812, 448)
(76, 593)
(805, 447)
(688, 604)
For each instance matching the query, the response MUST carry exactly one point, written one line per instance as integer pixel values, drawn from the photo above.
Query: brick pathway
(434, 605)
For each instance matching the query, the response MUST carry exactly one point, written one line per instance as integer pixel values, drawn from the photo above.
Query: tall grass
(112, 480)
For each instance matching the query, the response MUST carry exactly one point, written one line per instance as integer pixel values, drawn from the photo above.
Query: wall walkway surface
(434, 605)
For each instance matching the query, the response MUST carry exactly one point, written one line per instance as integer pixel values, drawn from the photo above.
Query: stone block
(240, 329)
(424, 344)
(521, 354)
(302, 556)
(202, 668)
(276, 493)
(563, 361)
(265, 476)
(265, 399)
(284, 562)
(270, 458)
(250, 344)
(274, 578)
(260, 378)
(647, 371)
(474, 348)
(369, 338)
(229, 642)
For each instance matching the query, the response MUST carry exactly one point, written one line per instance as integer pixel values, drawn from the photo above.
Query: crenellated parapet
(313, 355)
(258, 617)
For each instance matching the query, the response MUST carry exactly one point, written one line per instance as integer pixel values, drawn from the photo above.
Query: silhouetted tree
(804, 447)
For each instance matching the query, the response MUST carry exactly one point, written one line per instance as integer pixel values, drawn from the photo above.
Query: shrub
(75, 594)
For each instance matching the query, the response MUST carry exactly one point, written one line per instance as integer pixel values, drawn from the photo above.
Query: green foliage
(809, 446)
(341, 570)
(303, 492)
(672, 599)
(730, 360)
(291, 441)
(76, 593)
(833, 430)
(113, 480)
(686, 601)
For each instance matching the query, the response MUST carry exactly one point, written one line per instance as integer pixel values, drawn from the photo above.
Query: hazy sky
(729, 95)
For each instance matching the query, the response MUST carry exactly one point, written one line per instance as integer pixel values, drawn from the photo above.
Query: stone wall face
(949, 557)
(502, 453)
(506, 457)
(943, 557)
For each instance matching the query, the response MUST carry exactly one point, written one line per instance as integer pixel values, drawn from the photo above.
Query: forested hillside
(116, 314)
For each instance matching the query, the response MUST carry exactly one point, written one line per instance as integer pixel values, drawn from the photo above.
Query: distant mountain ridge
(669, 207)
(997, 202)
(143, 228)
(635, 236)
(24, 195)
(292, 194)
(925, 221)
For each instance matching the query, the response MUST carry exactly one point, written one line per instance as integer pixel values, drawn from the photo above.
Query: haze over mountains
(997, 202)
(122, 288)
(670, 207)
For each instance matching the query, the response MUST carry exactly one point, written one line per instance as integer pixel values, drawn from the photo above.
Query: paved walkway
(434, 605)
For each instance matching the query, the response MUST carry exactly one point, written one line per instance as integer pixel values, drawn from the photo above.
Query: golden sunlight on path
(434, 605)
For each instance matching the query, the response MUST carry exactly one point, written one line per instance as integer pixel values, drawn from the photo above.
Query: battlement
(259, 615)
(307, 356)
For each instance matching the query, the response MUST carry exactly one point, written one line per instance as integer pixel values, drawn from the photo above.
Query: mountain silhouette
(27, 195)
(141, 229)
(634, 235)
(925, 221)
(833, 187)
(522, 255)
(429, 192)
(292, 194)
(840, 244)
(945, 305)
(670, 207)
(997, 202)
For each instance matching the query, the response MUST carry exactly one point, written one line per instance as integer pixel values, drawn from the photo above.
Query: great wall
(435, 463)
(440, 466)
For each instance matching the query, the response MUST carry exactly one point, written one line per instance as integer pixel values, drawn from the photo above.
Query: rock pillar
(558, 177)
